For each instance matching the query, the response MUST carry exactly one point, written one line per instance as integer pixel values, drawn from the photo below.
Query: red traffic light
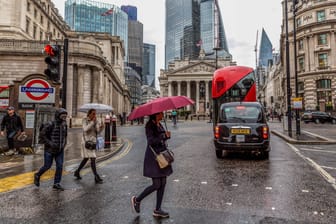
(51, 50)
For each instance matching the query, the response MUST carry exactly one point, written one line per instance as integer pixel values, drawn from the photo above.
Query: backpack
(44, 130)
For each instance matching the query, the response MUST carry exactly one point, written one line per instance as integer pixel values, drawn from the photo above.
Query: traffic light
(53, 61)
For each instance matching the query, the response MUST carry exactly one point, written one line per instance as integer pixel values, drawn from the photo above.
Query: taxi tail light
(265, 132)
(217, 132)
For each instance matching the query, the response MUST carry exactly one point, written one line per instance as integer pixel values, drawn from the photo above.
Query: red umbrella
(159, 105)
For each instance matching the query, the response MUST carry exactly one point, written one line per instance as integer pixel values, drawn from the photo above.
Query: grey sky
(241, 18)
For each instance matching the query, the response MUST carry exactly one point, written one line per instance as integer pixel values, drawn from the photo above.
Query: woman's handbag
(91, 145)
(163, 158)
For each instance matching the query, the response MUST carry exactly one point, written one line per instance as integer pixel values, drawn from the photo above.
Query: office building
(95, 16)
(192, 25)
(148, 70)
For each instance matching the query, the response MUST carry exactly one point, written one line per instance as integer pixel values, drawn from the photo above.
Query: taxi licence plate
(240, 131)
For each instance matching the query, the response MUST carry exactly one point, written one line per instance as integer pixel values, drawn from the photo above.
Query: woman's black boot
(98, 179)
(77, 175)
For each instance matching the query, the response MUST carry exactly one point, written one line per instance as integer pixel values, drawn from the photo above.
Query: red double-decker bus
(231, 84)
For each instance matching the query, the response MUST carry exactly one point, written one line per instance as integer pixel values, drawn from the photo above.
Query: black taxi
(242, 127)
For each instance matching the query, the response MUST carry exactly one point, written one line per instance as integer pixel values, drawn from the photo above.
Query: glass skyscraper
(131, 11)
(149, 65)
(94, 16)
(192, 25)
(265, 50)
(212, 29)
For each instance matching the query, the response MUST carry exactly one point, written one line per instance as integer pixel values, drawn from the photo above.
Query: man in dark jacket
(54, 135)
(13, 125)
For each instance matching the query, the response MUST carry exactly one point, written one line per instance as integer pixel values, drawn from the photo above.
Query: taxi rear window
(241, 114)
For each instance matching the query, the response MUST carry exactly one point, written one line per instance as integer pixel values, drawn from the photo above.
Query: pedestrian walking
(54, 136)
(14, 127)
(156, 138)
(174, 117)
(91, 128)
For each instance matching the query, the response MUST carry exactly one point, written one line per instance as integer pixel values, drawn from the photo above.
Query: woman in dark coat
(156, 137)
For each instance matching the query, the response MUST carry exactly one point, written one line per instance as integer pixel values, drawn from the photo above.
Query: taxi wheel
(219, 153)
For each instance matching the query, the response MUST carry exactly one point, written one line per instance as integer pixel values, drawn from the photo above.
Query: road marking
(323, 173)
(328, 167)
(317, 150)
(22, 180)
(119, 156)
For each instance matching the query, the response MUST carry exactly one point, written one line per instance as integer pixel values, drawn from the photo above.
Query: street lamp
(216, 49)
(289, 109)
(297, 115)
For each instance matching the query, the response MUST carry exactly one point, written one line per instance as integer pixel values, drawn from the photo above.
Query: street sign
(36, 91)
(297, 103)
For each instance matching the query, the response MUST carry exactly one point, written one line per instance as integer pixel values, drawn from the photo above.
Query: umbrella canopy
(159, 105)
(100, 108)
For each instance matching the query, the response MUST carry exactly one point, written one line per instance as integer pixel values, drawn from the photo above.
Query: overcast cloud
(241, 18)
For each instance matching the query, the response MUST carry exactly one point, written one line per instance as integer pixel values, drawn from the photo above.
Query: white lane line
(329, 168)
(323, 173)
(317, 150)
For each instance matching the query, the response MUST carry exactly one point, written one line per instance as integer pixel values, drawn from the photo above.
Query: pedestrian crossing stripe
(23, 180)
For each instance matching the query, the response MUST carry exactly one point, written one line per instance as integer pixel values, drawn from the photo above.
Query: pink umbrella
(159, 105)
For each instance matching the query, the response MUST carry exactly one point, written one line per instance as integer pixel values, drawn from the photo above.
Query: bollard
(114, 128)
(107, 131)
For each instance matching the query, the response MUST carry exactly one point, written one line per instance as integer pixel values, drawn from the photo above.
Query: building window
(323, 84)
(322, 39)
(300, 44)
(298, 22)
(301, 64)
(320, 16)
(28, 6)
(34, 31)
(300, 86)
(48, 26)
(41, 20)
(35, 13)
(41, 35)
(27, 25)
(323, 60)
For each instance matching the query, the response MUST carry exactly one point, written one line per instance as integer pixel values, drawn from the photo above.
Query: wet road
(237, 189)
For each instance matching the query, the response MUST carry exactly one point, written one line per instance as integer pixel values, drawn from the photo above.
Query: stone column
(87, 82)
(169, 88)
(197, 96)
(70, 90)
(333, 48)
(179, 88)
(96, 84)
(206, 95)
(80, 86)
(188, 93)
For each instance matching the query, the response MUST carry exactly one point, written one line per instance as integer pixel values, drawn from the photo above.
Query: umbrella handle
(164, 120)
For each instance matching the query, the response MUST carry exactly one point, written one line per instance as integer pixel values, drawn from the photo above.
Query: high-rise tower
(94, 16)
(192, 25)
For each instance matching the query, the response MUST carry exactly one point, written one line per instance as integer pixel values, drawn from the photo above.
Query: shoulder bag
(163, 158)
(90, 145)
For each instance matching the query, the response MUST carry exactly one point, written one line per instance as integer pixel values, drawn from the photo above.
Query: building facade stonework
(192, 78)
(315, 53)
(95, 69)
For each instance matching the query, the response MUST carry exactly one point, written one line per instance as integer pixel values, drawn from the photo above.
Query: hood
(59, 112)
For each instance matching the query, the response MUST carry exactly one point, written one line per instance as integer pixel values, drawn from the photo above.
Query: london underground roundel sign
(36, 91)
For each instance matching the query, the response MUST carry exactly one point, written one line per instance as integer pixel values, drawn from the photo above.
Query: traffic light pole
(65, 72)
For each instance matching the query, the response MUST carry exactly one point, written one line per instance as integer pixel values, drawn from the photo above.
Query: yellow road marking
(22, 180)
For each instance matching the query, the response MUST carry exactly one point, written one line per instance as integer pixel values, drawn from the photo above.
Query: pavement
(72, 155)
(309, 137)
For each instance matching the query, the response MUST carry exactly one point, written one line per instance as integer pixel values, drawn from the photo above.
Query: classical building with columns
(192, 78)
